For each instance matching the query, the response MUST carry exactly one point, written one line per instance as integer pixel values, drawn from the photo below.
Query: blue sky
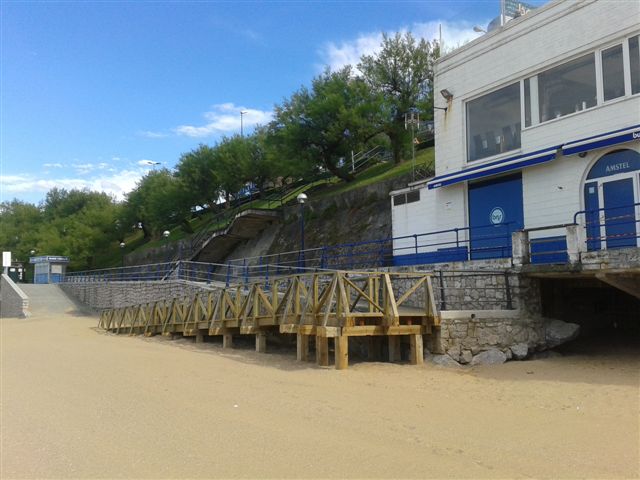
(92, 93)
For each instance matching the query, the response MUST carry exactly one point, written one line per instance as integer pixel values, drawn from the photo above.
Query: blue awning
(493, 168)
(602, 140)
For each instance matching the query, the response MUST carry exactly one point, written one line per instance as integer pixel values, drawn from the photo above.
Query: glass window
(413, 196)
(399, 200)
(493, 123)
(568, 88)
(634, 62)
(612, 73)
(527, 103)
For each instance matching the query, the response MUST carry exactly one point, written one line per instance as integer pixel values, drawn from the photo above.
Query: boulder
(558, 332)
(492, 356)
(519, 351)
(466, 356)
(444, 361)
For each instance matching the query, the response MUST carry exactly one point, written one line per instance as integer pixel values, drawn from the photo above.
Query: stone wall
(101, 295)
(465, 334)
(13, 301)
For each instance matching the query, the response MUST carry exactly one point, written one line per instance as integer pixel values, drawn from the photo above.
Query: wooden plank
(369, 330)
(302, 347)
(368, 298)
(391, 309)
(341, 352)
(322, 351)
(416, 352)
(411, 290)
(261, 342)
(329, 300)
(328, 332)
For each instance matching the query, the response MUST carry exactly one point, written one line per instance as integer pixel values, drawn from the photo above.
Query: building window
(612, 73)
(634, 63)
(409, 197)
(527, 102)
(493, 123)
(568, 88)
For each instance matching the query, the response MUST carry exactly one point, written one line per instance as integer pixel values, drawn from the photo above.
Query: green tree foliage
(403, 73)
(76, 223)
(322, 125)
(197, 171)
(158, 202)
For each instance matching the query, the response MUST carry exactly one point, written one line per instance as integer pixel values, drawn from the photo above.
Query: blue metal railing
(612, 227)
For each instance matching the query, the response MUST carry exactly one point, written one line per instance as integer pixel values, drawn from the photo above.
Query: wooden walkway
(323, 307)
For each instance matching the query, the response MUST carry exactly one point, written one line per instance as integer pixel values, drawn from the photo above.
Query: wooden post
(227, 340)
(394, 348)
(199, 337)
(322, 351)
(261, 342)
(302, 347)
(416, 355)
(342, 352)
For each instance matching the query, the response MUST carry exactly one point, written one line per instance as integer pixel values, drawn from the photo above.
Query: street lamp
(301, 198)
(242, 114)
(479, 29)
(122, 245)
(412, 118)
(32, 252)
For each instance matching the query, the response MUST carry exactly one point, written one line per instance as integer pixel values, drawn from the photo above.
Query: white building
(542, 122)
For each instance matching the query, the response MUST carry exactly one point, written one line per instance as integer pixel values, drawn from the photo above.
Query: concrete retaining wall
(13, 301)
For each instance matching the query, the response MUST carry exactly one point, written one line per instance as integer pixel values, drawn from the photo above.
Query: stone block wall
(13, 301)
(101, 295)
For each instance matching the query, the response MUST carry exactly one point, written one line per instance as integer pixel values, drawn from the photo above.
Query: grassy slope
(333, 186)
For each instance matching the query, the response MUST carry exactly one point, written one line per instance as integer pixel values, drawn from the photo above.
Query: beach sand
(80, 403)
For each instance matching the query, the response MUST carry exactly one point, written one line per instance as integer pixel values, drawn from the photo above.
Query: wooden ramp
(324, 307)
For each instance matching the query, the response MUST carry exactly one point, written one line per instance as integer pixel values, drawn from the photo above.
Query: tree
(197, 171)
(232, 160)
(158, 202)
(403, 73)
(322, 125)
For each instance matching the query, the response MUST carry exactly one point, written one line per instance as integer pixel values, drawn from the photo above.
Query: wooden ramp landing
(321, 306)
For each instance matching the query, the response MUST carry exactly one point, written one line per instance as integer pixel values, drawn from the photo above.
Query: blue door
(619, 213)
(495, 211)
(592, 215)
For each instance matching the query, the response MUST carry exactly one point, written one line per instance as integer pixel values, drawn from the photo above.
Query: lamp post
(33, 253)
(166, 234)
(412, 118)
(301, 198)
(242, 114)
(122, 245)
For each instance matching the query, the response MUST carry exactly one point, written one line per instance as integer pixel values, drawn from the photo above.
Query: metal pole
(301, 256)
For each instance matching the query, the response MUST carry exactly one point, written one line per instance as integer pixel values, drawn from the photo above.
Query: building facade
(541, 131)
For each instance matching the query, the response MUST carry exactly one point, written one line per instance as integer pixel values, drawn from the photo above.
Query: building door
(611, 197)
(619, 213)
(495, 211)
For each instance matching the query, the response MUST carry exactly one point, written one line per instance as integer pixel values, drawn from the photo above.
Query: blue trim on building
(607, 142)
(494, 171)
(549, 250)
(602, 135)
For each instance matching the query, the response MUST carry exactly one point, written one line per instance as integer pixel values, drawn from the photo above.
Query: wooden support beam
(416, 352)
(261, 342)
(342, 352)
(199, 337)
(394, 348)
(227, 340)
(322, 351)
(302, 347)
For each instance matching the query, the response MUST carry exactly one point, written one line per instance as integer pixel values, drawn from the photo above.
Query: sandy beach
(79, 403)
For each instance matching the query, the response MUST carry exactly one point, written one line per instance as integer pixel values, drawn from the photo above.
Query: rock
(508, 354)
(444, 361)
(489, 357)
(454, 352)
(558, 332)
(519, 351)
(466, 356)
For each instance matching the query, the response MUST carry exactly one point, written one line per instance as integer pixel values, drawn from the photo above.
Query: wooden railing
(324, 305)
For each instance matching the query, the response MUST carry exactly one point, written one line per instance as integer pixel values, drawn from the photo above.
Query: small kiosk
(49, 268)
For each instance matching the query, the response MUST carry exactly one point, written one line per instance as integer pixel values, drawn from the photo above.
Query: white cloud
(116, 184)
(150, 134)
(454, 34)
(225, 118)
(52, 165)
